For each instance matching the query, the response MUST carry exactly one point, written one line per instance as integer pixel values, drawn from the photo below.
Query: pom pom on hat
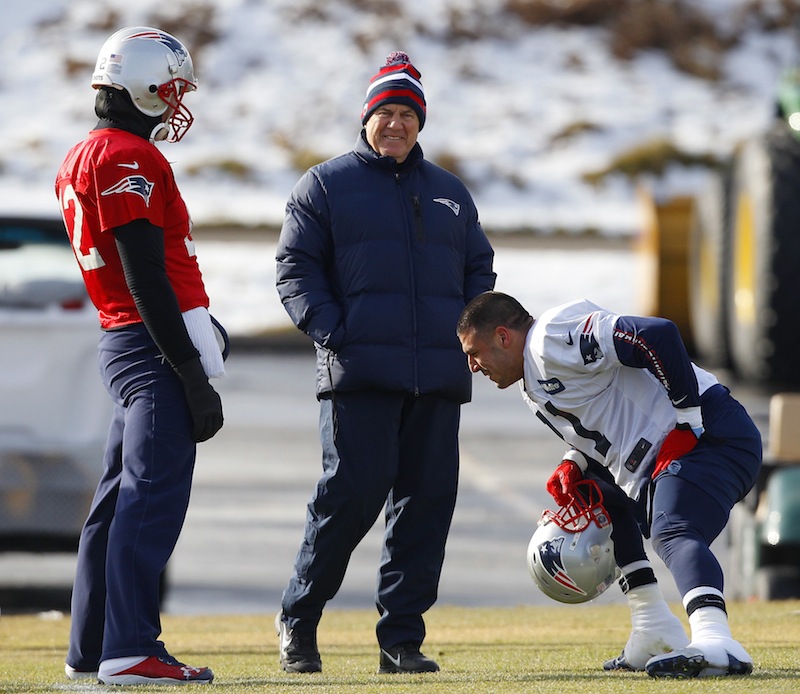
(397, 82)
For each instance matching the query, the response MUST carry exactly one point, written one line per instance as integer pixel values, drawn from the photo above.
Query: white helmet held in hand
(571, 554)
(154, 68)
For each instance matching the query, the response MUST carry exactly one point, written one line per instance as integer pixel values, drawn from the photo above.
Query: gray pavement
(253, 480)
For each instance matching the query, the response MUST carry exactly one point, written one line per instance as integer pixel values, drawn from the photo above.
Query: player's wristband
(690, 418)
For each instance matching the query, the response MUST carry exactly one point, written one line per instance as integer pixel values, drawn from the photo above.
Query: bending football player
(669, 449)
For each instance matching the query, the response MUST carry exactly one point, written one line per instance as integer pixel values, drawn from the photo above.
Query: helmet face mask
(571, 554)
(181, 119)
(155, 69)
(585, 507)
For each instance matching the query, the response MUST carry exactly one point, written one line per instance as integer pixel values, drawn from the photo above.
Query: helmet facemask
(180, 119)
(586, 506)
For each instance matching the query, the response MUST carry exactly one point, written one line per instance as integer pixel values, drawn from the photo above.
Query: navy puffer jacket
(375, 263)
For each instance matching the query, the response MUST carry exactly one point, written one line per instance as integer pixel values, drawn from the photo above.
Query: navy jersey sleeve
(655, 344)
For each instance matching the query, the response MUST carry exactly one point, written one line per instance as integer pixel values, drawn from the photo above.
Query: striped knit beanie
(397, 82)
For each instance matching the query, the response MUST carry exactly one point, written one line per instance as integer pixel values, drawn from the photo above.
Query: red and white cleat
(153, 670)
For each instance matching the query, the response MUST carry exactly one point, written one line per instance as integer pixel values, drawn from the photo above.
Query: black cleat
(405, 657)
(298, 649)
(619, 663)
(691, 662)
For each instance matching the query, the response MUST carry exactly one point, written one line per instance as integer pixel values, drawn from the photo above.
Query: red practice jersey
(108, 180)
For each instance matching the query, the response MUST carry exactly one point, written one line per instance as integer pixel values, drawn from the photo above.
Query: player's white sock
(655, 629)
(711, 632)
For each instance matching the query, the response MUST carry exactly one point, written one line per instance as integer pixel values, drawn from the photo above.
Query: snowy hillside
(522, 107)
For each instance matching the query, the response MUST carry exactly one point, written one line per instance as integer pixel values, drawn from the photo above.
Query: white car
(54, 411)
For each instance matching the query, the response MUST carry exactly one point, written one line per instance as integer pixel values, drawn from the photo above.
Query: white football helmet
(155, 69)
(571, 554)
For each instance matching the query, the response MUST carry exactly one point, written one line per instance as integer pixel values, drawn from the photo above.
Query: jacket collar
(371, 157)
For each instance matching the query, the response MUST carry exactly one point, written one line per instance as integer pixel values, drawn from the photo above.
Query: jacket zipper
(415, 203)
(418, 218)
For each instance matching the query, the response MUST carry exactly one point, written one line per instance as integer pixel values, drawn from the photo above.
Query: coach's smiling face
(392, 131)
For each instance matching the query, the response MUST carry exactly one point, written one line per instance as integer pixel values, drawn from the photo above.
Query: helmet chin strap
(159, 133)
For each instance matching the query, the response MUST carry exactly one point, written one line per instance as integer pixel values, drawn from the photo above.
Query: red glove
(561, 483)
(677, 444)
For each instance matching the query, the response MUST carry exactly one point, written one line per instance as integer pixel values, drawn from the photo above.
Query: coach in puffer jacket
(375, 263)
(379, 253)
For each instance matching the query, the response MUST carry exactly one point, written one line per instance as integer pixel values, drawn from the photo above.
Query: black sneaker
(710, 660)
(618, 663)
(298, 650)
(405, 657)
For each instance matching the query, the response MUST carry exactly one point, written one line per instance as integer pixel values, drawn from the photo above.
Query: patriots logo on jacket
(447, 202)
(590, 349)
(132, 184)
(550, 555)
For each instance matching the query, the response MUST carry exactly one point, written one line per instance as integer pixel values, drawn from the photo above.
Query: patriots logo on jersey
(590, 349)
(550, 555)
(132, 184)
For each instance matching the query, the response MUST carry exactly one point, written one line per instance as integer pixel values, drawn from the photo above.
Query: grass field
(481, 650)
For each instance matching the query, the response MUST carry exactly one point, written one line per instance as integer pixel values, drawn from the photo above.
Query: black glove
(205, 404)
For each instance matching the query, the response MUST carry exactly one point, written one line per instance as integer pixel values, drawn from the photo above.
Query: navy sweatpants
(139, 506)
(380, 450)
(692, 499)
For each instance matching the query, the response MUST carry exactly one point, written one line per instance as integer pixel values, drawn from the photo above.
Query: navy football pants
(139, 506)
(693, 497)
(380, 450)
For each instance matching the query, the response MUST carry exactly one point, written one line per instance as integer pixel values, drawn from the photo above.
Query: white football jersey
(574, 381)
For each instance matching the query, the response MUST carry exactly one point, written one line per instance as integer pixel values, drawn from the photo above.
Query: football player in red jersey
(131, 234)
